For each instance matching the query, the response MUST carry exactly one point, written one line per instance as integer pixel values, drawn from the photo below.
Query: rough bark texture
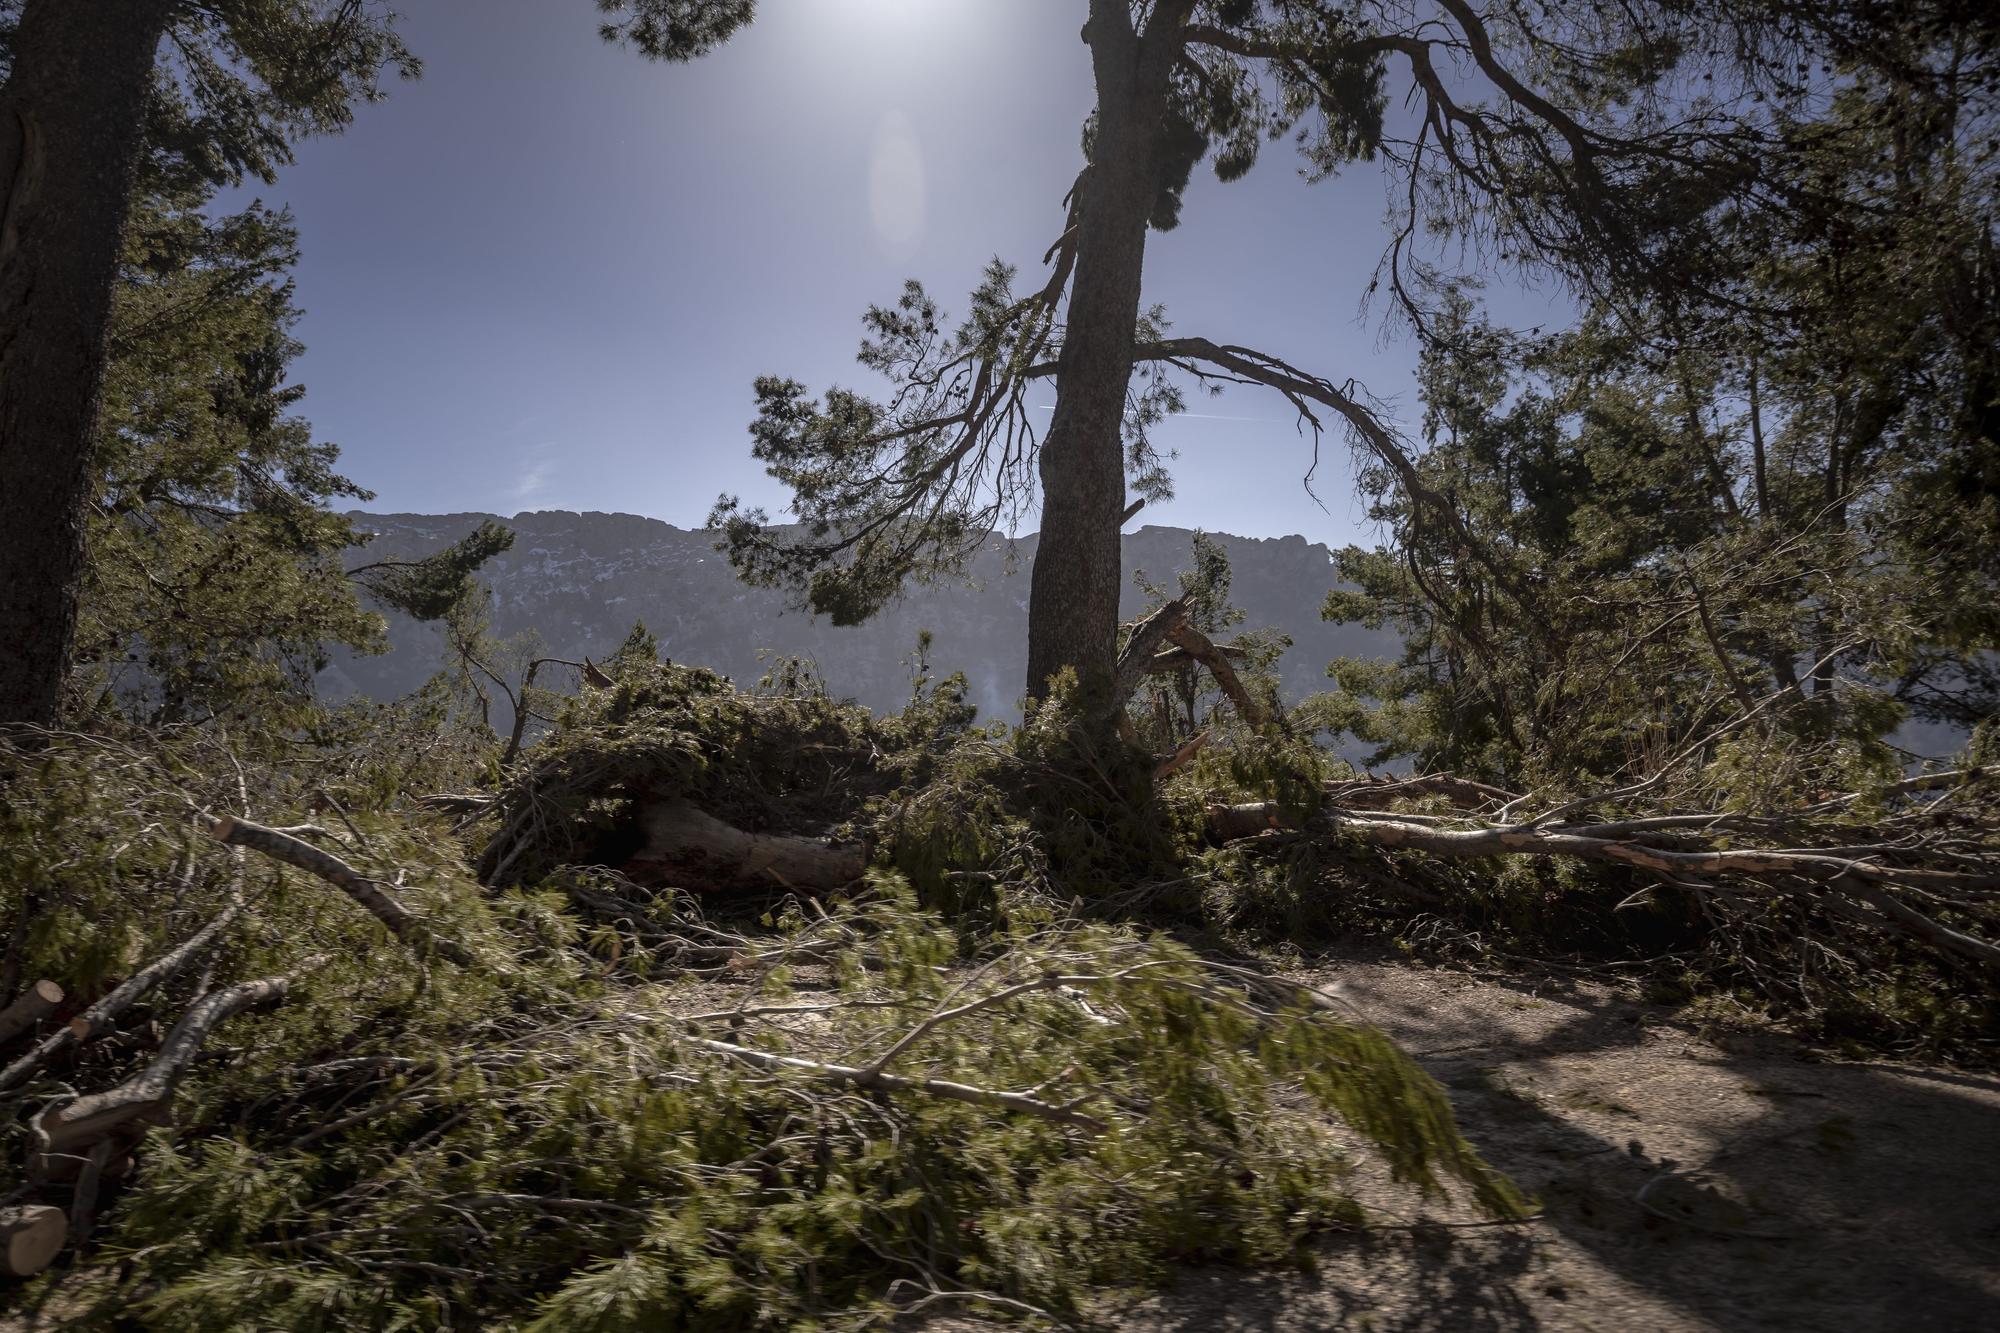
(1073, 595)
(71, 121)
(66, 1131)
(687, 848)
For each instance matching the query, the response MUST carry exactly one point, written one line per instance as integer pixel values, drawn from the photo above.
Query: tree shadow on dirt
(1688, 1179)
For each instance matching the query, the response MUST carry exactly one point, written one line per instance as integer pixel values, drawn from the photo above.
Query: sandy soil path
(1691, 1181)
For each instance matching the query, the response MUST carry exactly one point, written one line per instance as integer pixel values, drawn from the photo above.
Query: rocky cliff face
(581, 580)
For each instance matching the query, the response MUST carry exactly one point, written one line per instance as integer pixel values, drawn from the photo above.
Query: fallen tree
(679, 780)
(688, 848)
(1897, 871)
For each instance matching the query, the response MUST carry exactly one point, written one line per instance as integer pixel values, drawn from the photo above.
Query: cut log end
(29, 1008)
(30, 1238)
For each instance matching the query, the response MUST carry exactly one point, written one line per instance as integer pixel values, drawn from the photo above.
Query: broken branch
(369, 893)
(64, 1131)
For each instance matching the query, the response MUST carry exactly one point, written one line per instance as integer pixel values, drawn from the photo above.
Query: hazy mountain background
(581, 580)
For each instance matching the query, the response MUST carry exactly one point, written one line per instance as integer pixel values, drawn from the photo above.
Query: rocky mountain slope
(581, 580)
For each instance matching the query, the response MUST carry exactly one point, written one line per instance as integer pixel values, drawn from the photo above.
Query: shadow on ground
(1690, 1181)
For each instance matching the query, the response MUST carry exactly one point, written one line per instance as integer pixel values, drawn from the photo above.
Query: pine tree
(84, 107)
(1568, 139)
(88, 111)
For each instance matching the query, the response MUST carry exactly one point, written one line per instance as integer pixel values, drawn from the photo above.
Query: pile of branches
(348, 1086)
(674, 776)
(1910, 863)
(841, 1121)
(151, 1028)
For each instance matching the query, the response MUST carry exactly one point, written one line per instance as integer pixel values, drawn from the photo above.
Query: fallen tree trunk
(1228, 823)
(30, 1238)
(65, 1132)
(688, 848)
(371, 894)
(1867, 874)
(29, 1008)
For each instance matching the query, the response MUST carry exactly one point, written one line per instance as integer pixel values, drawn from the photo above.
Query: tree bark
(688, 848)
(67, 1130)
(71, 127)
(1073, 592)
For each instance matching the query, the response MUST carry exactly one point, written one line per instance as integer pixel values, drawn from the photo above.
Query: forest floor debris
(1693, 1177)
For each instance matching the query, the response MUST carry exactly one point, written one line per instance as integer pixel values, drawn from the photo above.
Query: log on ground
(29, 1008)
(688, 848)
(30, 1238)
(65, 1131)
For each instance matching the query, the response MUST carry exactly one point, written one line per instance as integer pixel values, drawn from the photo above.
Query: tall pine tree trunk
(1073, 593)
(71, 123)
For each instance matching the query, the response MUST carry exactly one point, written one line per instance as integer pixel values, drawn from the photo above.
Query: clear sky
(544, 275)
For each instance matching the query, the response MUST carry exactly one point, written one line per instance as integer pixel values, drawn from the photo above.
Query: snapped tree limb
(1884, 875)
(65, 1132)
(369, 893)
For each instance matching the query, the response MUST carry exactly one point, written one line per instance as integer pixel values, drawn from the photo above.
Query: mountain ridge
(581, 579)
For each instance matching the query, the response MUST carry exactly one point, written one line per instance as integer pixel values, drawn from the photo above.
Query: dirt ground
(1689, 1180)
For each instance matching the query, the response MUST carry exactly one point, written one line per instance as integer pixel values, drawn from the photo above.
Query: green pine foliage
(561, 1136)
(215, 579)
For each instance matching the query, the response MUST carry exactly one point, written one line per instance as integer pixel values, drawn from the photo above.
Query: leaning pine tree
(1570, 137)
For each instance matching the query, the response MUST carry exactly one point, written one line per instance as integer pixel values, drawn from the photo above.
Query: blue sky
(544, 275)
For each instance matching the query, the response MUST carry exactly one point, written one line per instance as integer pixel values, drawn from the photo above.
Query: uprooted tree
(1568, 136)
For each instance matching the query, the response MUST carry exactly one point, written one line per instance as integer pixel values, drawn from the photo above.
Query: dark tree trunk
(71, 123)
(1073, 593)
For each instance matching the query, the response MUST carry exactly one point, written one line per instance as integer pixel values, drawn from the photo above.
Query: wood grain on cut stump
(30, 1238)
